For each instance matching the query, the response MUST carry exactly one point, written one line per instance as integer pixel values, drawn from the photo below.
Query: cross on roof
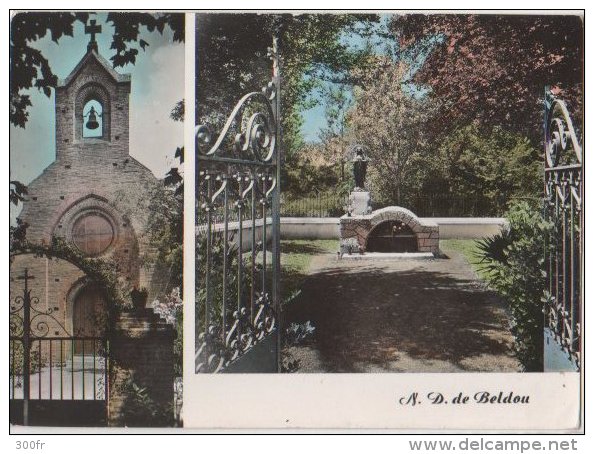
(92, 29)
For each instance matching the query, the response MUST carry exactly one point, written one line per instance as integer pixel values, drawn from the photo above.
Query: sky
(157, 85)
(314, 119)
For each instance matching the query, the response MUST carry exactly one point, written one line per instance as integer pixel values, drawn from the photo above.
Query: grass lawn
(296, 256)
(470, 251)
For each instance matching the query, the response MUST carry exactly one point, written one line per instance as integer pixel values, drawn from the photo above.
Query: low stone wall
(233, 227)
(329, 228)
(310, 228)
(467, 228)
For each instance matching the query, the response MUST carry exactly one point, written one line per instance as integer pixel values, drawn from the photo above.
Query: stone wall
(360, 227)
(91, 79)
(141, 353)
(329, 228)
(96, 174)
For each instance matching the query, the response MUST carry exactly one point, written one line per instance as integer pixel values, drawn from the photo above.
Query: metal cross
(92, 29)
(26, 341)
(26, 277)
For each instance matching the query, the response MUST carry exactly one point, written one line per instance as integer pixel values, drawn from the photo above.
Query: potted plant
(139, 298)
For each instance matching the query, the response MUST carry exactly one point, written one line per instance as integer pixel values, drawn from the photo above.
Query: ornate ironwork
(43, 353)
(237, 205)
(41, 323)
(564, 210)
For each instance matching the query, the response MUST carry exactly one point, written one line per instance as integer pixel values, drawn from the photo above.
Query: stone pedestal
(141, 353)
(359, 203)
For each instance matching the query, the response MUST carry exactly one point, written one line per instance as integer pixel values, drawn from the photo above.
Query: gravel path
(400, 316)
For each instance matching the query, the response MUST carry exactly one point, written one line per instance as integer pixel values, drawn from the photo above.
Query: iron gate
(238, 236)
(56, 379)
(563, 251)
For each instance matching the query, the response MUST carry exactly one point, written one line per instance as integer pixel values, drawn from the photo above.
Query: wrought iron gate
(56, 379)
(238, 236)
(563, 260)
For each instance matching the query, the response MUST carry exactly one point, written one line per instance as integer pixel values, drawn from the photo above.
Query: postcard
(297, 220)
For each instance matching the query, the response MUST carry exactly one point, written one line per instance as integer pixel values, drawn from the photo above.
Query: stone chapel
(94, 195)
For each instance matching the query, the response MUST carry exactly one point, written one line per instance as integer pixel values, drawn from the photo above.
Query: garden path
(400, 316)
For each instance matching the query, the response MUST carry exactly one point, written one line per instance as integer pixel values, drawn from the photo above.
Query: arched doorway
(89, 317)
(392, 236)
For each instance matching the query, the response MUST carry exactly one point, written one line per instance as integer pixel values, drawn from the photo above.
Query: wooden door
(87, 318)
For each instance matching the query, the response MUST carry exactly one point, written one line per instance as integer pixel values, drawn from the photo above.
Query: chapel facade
(94, 195)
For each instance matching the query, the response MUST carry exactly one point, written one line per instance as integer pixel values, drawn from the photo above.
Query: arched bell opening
(92, 111)
(392, 236)
(92, 121)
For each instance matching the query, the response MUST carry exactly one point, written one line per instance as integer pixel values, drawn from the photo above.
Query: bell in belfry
(92, 123)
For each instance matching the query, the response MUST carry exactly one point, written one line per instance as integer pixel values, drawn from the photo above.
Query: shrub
(514, 261)
(140, 410)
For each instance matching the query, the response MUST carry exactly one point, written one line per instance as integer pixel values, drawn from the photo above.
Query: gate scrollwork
(238, 230)
(563, 209)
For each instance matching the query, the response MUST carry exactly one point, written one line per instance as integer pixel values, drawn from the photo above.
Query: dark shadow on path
(369, 315)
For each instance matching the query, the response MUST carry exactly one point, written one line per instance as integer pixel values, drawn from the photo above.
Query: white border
(73, 444)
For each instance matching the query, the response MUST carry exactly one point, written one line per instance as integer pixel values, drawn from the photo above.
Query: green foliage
(232, 60)
(17, 193)
(492, 249)
(17, 360)
(393, 125)
(490, 167)
(297, 333)
(515, 264)
(28, 66)
(170, 308)
(140, 410)
(321, 205)
(178, 111)
(127, 28)
(165, 224)
(164, 232)
(337, 103)
(305, 179)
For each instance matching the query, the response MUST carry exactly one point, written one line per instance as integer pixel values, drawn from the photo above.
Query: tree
(337, 103)
(30, 68)
(393, 124)
(232, 59)
(490, 168)
(492, 69)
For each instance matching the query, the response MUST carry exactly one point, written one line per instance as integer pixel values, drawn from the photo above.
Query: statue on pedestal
(360, 161)
(359, 198)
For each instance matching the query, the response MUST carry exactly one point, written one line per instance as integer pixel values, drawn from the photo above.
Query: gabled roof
(117, 77)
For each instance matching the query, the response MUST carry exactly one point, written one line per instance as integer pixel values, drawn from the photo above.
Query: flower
(170, 307)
